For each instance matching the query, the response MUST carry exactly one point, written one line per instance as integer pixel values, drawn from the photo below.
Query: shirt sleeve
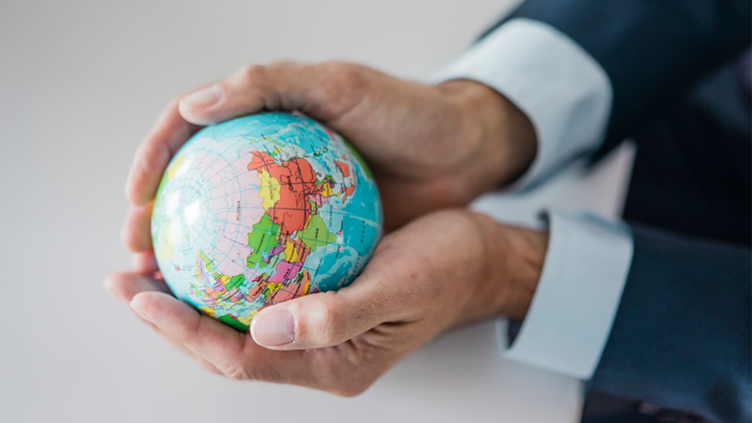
(562, 90)
(578, 294)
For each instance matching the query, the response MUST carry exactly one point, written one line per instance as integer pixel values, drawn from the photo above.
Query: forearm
(681, 337)
(652, 51)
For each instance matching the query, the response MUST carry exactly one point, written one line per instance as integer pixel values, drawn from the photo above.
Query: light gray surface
(81, 83)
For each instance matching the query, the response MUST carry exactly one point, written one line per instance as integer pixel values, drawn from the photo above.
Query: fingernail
(140, 312)
(203, 98)
(274, 328)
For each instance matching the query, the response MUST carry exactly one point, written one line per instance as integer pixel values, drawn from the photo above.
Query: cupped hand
(430, 147)
(438, 271)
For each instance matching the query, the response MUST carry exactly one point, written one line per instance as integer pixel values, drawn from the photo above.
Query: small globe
(263, 209)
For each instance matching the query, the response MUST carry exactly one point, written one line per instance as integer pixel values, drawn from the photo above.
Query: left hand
(436, 272)
(440, 146)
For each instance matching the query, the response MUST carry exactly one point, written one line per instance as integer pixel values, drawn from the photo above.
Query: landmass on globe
(263, 209)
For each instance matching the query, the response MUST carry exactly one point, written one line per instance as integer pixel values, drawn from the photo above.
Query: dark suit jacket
(681, 337)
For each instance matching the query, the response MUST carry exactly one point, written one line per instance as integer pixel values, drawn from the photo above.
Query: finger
(331, 318)
(321, 91)
(186, 323)
(169, 133)
(232, 352)
(125, 285)
(136, 232)
(144, 263)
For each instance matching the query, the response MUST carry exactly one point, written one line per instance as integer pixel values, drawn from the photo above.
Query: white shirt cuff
(562, 90)
(578, 294)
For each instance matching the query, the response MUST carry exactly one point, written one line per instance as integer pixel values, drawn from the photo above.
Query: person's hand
(430, 147)
(438, 271)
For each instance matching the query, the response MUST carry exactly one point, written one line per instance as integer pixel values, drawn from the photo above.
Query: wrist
(500, 138)
(513, 261)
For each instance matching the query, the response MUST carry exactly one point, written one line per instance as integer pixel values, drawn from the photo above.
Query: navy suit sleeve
(652, 50)
(681, 336)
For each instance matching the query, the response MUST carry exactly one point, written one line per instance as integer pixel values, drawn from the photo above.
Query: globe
(262, 209)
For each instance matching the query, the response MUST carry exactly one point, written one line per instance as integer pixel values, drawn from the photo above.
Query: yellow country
(247, 320)
(271, 288)
(327, 190)
(268, 190)
(291, 252)
(173, 169)
(306, 282)
(208, 311)
(165, 248)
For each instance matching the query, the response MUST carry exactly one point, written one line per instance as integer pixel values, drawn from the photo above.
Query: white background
(81, 84)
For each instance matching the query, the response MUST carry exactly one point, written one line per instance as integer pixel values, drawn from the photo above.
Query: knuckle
(252, 73)
(127, 239)
(151, 158)
(327, 329)
(349, 391)
(236, 373)
(208, 366)
(244, 370)
(350, 386)
(184, 329)
(174, 103)
(340, 71)
(342, 84)
(236, 369)
(350, 375)
(135, 234)
(282, 64)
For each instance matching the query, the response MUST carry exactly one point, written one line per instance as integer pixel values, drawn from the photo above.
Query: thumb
(319, 320)
(323, 91)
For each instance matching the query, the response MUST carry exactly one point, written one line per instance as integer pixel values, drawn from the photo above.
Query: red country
(298, 182)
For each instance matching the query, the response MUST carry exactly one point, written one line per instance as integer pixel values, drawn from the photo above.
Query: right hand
(438, 271)
(430, 147)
